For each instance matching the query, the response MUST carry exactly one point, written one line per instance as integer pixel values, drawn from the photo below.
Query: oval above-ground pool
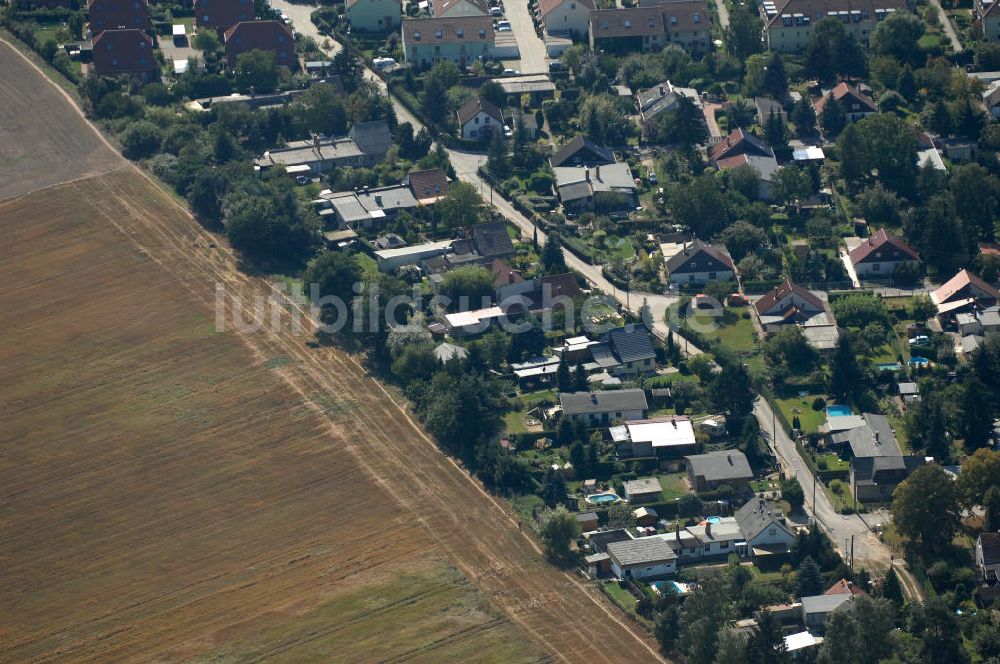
(602, 498)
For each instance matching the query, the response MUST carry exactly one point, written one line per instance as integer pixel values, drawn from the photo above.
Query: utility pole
(815, 482)
(852, 553)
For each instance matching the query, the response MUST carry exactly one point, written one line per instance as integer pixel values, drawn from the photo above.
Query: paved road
(949, 29)
(720, 5)
(532, 48)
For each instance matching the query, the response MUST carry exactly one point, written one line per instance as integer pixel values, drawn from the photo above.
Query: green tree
(332, 274)
(980, 472)
(742, 37)
(460, 206)
(776, 129)
(469, 287)
(206, 40)
(808, 580)
(703, 615)
(621, 515)
(498, 157)
(732, 647)
(831, 51)
(563, 378)
(743, 238)
(792, 492)
(853, 160)
(791, 184)
(775, 81)
(897, 36)
(832, 117)
(976, 423)
(557, 529)
(939, 630)
(977, 198)
(732, 390)
(263, 228)
(206, 194)
(553, 490)
(907, 84)
(415, 362)
(141, 140)
(580, 382)
(552, 258)
(321, 109)
(767, 642)
(845, 374)
(925, 508)
(991, 505)
(348, 68)
(804, 117)
(256, 71)
(665, 628)
(891, 588)
(493, 92)
(939, 234)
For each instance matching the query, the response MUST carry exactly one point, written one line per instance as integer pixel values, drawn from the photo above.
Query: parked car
(301, 179)
(557, 65)
(652, 178)
(511, 72)
(920, 340)
(504, 26)
(496, 11)
(381, 64)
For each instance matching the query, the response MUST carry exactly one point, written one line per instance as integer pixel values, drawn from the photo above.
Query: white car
(504, 26)
(382, 64)
(496, 11)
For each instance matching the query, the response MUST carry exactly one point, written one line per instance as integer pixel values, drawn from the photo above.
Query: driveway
(720, 5)
(300, 14)
(534, 59)
(949, 29)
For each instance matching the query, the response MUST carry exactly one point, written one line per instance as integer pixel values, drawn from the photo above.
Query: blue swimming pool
(918, 361)
(602, 498)
(714, 519)
(838, 411)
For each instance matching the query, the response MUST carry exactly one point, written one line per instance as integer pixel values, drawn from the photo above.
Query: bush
(822, 464)
(141, 139)
(819, 403)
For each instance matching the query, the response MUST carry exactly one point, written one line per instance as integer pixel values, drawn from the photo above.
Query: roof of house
(492, 239)
(679, 262)
(668, 431)
(261, 34)
(873, 438)
(882, 241)
(630, 343)
(119, 51)
(767, 105)
(757, 515)
(740, 141)
(662, 97)
(222, 13)
(448, 30)
(428, 185)
(641, 551)
(576, 403)
(390, 241)
(824, 603)
(844, 91)
(960, 281)
(690, 15)
(642, 485)
(545, 7)
(473, 107)
(724, 530)
(373, 136)
(844, 587)
(576, 151)
(772, 298)
(884, 470)
(447, 351)
(442, 7)
(504, 274)
(765, 166)
(818, 9)
(990, 544)
(719, 466)
(575, 182)
(800, 640)
(627, 22)
(586, 516)
(118, 15)
(908, 388)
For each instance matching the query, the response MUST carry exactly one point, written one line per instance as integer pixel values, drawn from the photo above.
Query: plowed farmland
(171, 492)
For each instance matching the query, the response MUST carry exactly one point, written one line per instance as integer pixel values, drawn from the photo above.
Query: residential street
(531, 46)
(949, 29)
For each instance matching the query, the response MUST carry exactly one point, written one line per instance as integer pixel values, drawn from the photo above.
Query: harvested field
(43, 139)
(172, 493)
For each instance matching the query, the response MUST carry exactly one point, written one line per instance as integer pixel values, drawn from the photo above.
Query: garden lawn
(619, 249)
(809, 419)
(531, 399)
(514, 422)
(833, 462)
(736, 333)
(674, 486)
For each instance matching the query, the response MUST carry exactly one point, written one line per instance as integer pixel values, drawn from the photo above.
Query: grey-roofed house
(718, 538)
(699, 262)
(874, 478)
(873, 438)
(764, 527)
(632, 348)
(909, 392)
(707, 472)
(988, 556)
(478, 119)
(643, 490)
(603, 407)
(664, 97)
(605, 188)
(765, 107)
(446, 352)
(581, 151)
(369, 207)
(642, 558)
(492, 240)
(816, 608)
(365, 145)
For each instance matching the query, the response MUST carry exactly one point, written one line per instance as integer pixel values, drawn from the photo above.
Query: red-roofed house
(790, 304)
(565, 17)
(428, 185)
(118, 15)
(222, 14)
(273, 36)
(125, 52)
(685, 23)
(965, 286)
(740, 142)
(855, 104)
(880, 254)
(844, 587)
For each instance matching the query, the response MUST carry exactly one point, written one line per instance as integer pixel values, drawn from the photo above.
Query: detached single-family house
(788, 24)
(643, 490)
(642, 558)
(817, 608)
(458, 39)
(446, 352)
(988, 557)
(739, 141)
(664, 97)
(661, 438)
(764, 528)
(632, 348)
(569, 18)
(856, 104)
(699, 262)
(790, 304)
(707, 472)
(365, 145)
(118, 15)
(607, 188)
(581, 151)
(273, 36)
(452, 8)
(873, 436)
(987, 17)
(220, 15)
(909, 392)
(374, 15)
(844, 587)
(718, 537)
(125, 52)
(965, 287)
(874, 478)
(492, 241)
(478, 119)
(596, 408)
(428, 186)
(880, 254)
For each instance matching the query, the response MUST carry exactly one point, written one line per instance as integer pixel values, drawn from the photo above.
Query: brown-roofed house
(740, 142)
(565, 17)
(428, 185)
(478, 118)
(125, 52)
(582, 151)
(965, 286)
(685, 23)
(880, 254)
(855, 104)
(452, 8)
(118, 15)
(504, 274)
(273, 36)
(788, 24)
(222, 14)
(457, 39)
(699, 262)
(791, 304)
(844, 587)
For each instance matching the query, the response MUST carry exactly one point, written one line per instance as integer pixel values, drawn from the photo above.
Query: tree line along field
(175, 493)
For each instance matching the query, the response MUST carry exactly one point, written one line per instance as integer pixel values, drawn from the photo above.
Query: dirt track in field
(224, 495)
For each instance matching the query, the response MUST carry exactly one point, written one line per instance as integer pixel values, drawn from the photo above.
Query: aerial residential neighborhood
(502, 330)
